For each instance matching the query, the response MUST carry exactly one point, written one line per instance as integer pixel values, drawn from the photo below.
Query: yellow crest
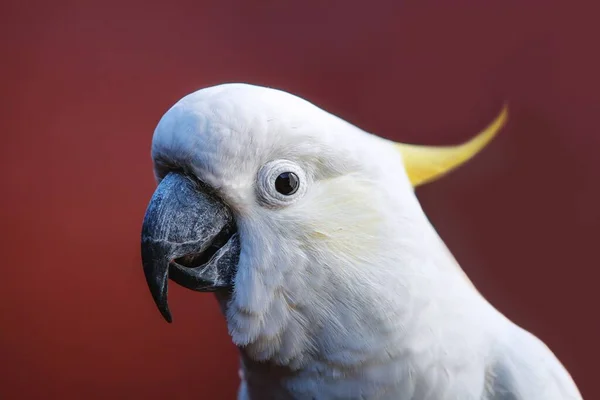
(424, 164)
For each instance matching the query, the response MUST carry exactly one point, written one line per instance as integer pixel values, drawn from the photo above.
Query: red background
(84, 84)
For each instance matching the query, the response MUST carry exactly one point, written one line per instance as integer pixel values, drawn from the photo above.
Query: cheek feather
(344, 216)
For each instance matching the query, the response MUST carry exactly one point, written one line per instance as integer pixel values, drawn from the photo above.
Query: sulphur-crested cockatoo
(333, 282)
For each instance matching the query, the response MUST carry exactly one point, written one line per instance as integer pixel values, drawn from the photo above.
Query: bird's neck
(377, 326)
(318, 379)
(367, 344)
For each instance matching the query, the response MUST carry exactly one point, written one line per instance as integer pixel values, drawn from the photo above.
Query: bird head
(303, 224)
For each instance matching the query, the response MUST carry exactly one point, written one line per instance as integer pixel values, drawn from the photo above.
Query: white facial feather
(295, 254)
(344, 281)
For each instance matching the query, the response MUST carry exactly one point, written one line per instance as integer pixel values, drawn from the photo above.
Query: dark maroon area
(85, 82)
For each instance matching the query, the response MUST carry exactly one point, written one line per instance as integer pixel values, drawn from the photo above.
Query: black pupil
(287, 183)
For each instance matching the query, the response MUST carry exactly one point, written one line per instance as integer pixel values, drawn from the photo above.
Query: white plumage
(343, 290)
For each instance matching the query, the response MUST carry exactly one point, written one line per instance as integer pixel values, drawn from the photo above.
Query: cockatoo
(333, 282)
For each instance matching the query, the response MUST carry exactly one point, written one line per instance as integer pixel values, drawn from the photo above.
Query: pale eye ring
(280, 183)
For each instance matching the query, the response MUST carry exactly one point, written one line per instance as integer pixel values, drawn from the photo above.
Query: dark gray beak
(188, 236)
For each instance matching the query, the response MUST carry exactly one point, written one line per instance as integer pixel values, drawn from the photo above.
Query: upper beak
(189, 236)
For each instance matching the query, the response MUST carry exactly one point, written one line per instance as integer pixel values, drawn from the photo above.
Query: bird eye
(280, 183)
(287, 183)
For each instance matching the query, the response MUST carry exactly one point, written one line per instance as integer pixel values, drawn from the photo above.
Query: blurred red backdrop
(84, 84)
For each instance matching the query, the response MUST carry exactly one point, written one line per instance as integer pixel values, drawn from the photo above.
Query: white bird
(333, 282)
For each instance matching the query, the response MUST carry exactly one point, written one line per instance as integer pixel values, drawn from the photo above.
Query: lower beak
(188, 236)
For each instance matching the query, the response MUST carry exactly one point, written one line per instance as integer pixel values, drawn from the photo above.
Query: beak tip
(165, 312)
(163, 307)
